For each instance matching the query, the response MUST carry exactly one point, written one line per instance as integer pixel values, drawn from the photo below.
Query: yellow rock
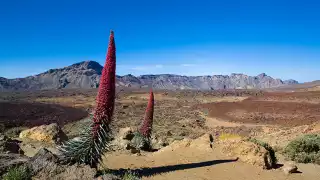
(51, 133)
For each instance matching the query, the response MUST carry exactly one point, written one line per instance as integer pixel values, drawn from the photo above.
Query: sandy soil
(192, 163)
(266, 112)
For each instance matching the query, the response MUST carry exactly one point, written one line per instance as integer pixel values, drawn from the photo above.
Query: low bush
(129, 175)
(18, 173)
(305, 149)
(140, 142)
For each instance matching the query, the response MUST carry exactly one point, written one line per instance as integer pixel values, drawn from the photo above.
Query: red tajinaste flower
(146, 126)
(94, 140)
(106, 94)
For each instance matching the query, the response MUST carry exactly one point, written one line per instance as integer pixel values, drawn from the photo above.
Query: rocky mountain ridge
(86, 75)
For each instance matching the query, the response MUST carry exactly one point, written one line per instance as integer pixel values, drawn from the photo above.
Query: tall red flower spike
(106, 94)
(95, 140)
(146, 127)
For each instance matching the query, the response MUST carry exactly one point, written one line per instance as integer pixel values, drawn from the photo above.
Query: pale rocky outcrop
(247, 152)
(122, 139)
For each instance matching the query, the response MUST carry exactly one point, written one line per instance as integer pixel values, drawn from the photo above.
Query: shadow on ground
(165, 169)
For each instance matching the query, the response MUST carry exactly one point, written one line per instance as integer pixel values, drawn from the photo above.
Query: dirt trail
(194, 163)
(214, 122)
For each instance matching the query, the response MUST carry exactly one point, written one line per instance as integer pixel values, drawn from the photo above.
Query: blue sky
(280, 38)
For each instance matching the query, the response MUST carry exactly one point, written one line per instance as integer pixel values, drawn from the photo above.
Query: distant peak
(81, 66)
(262, 75)
(237, 74)
(291, 81)
(87, 65)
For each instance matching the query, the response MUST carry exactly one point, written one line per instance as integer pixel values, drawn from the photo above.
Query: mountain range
(86, 75)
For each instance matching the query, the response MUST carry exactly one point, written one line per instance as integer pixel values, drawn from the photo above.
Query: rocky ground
(201, 135)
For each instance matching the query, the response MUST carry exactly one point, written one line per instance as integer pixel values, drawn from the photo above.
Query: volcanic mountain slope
(307, 86)
(87, 74)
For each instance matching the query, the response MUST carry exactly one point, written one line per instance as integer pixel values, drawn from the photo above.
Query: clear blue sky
(280, 38)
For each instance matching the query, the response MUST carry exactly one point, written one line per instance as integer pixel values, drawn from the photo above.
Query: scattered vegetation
(18, 173)
(122, 174)
(305, 149)
(272, 158)
(129, 175)
(205, 111)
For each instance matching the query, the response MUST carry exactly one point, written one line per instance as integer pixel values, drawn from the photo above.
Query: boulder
(247, 152)
(51, 133)
(45, 165)
(63, 172)
(43, 159)
(289, 168)
(8, 145)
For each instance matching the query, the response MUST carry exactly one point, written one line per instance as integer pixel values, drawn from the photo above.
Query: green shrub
(129, 175)
(273, 159)
(18, 173)
(305, 149)
(205, 112)
(140, 142)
